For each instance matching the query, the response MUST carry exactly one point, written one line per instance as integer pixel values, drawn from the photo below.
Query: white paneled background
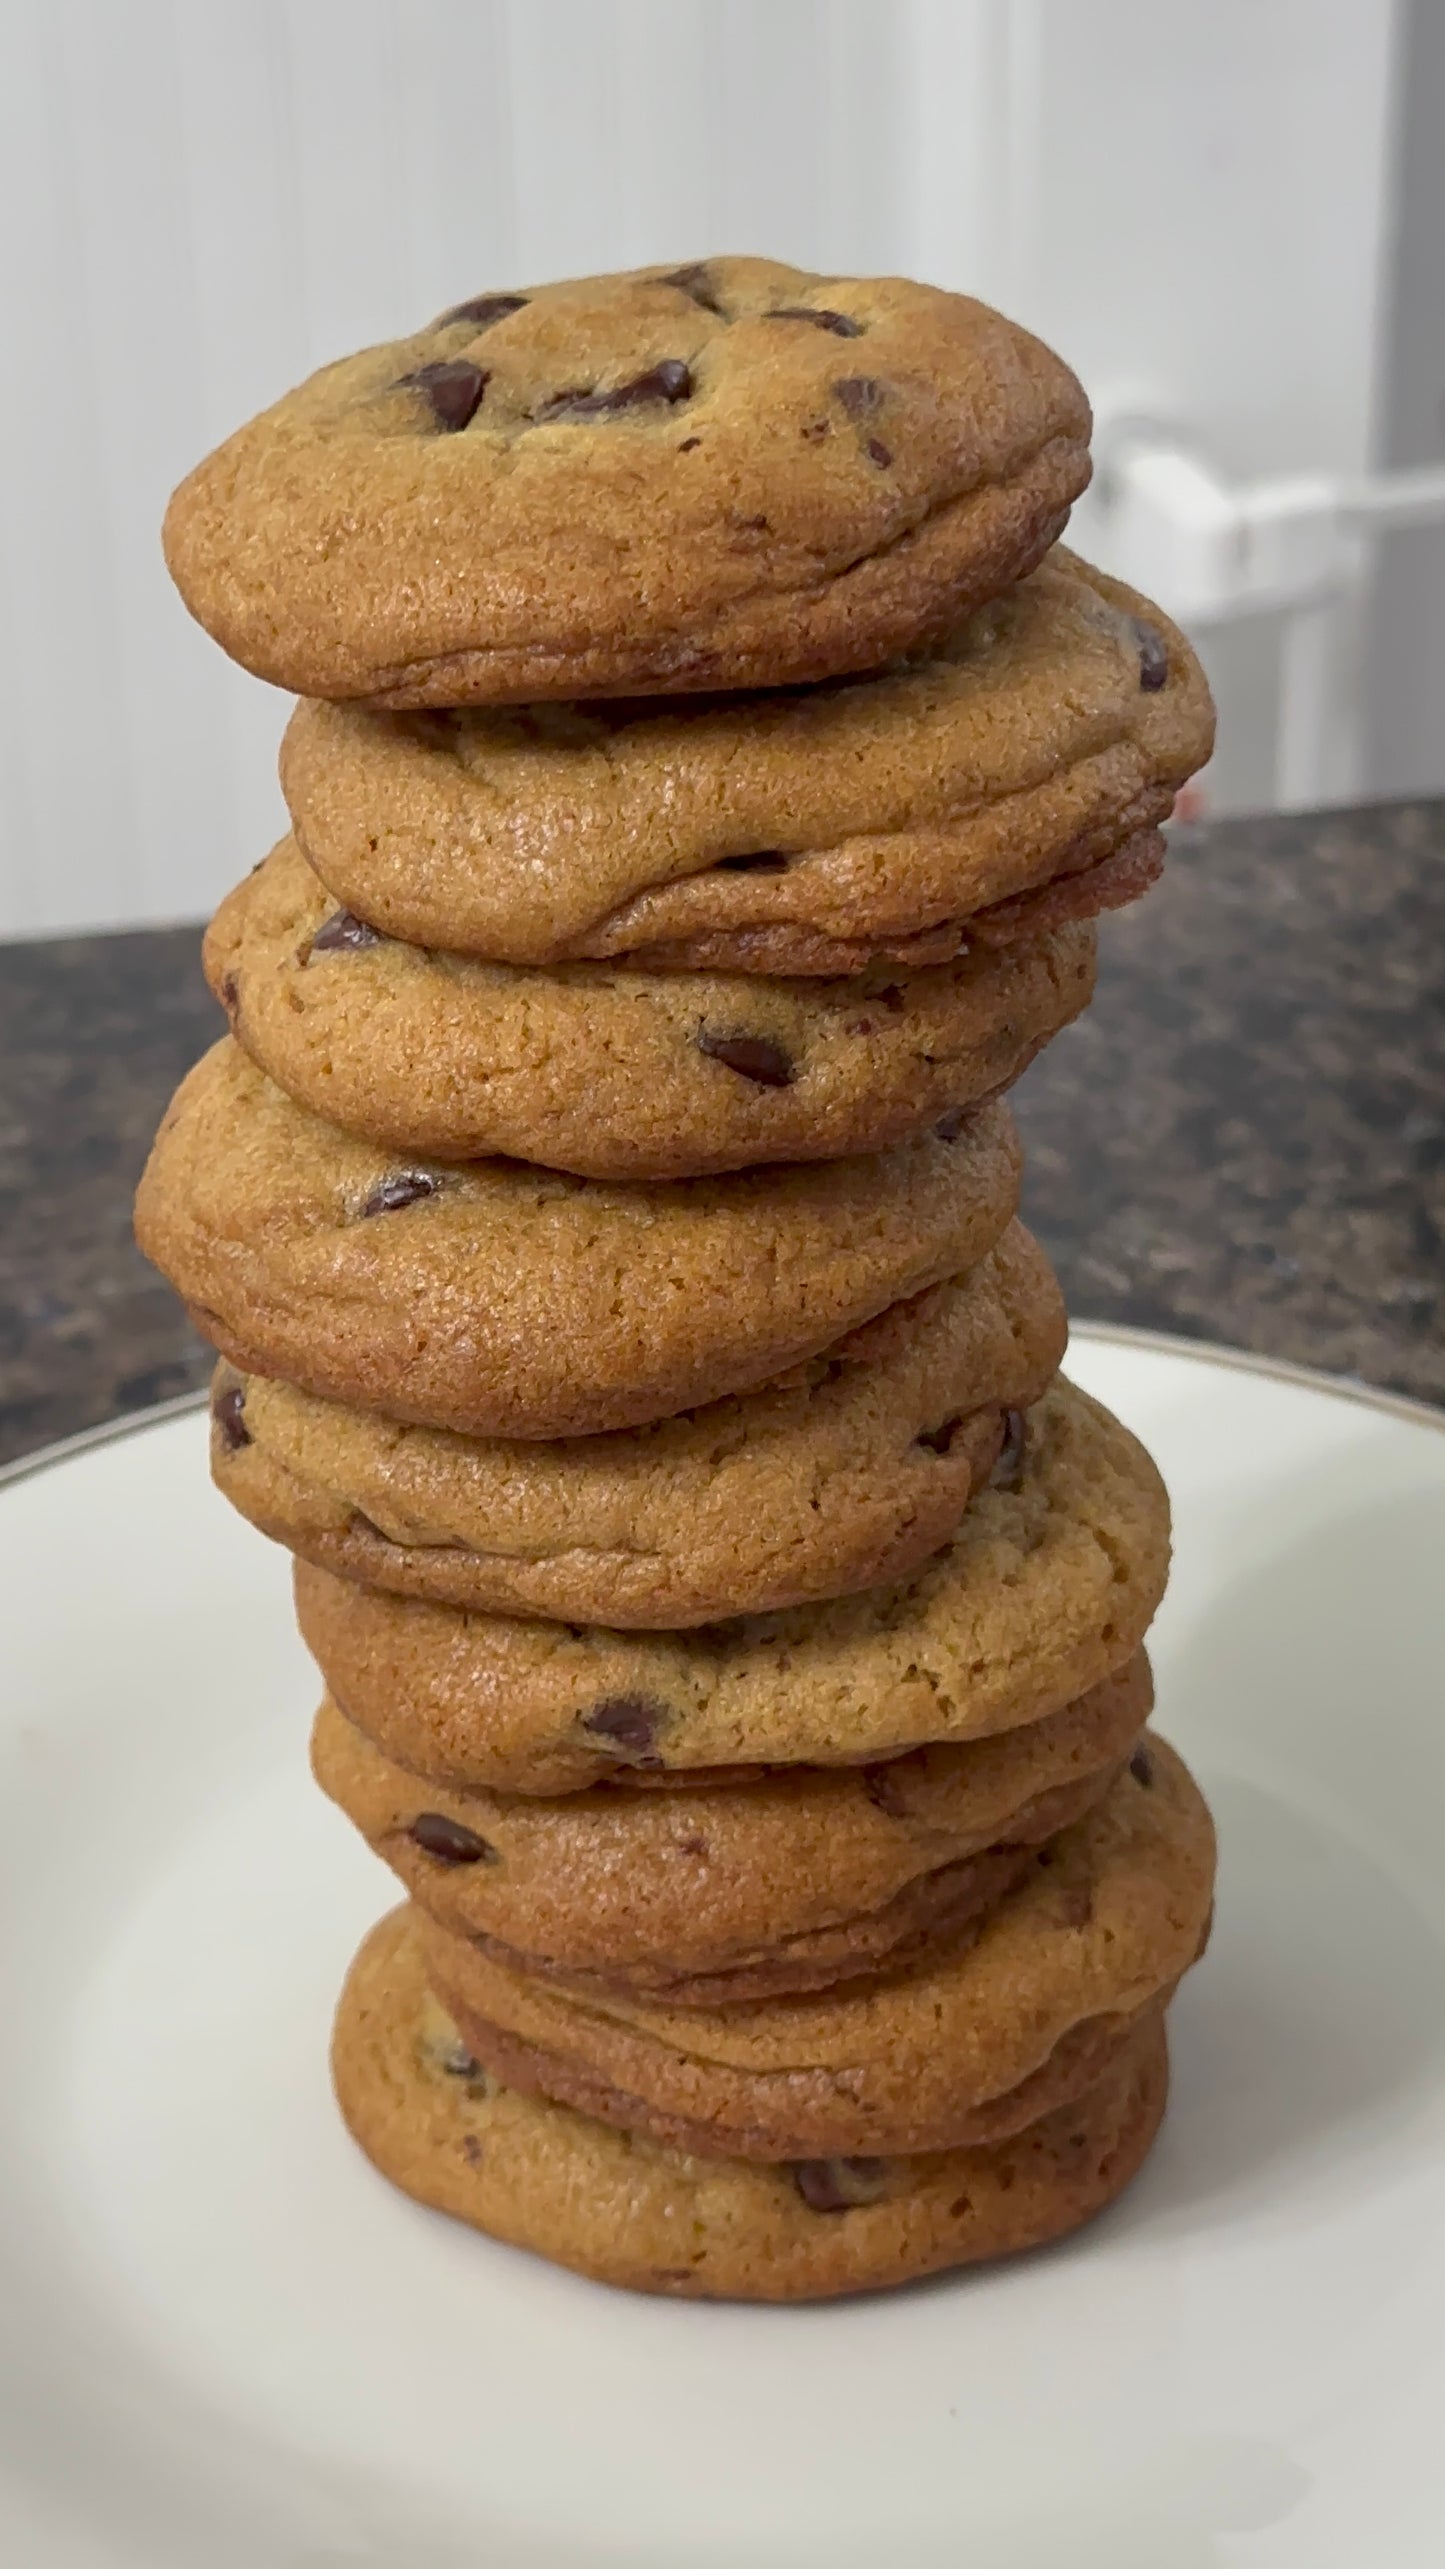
(201, 199)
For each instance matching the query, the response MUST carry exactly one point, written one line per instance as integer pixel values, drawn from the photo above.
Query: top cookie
(729, 474)
(932, 805)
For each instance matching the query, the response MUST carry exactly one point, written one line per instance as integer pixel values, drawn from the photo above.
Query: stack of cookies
(706, 781)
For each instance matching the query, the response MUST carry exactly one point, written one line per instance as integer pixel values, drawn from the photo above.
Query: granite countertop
(1243, 1140)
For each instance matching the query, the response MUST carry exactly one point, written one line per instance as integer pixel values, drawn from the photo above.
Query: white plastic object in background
(1213, 551)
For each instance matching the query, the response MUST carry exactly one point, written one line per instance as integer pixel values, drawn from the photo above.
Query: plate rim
(1109, 1333)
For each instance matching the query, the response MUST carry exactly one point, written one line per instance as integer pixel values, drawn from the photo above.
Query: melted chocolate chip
(343, 933)
(671, 381)
(628, 1723)
(838, 2185)
(949, 1126)
(859, 394)
(841, 324)
(880, 453)
(403, 1187)
(891, 997)
(458, 2062)
(939, 1439)
(1008, 1471)
(483, 310)
(696, 283)
(453, 386)
(1153, 656)
(763, 860)
(754, 1057)
(688, 444)
(448, 1841)
(226, 1410)
(1141, 1766)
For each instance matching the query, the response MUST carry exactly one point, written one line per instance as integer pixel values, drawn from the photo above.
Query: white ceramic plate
(226, 2344)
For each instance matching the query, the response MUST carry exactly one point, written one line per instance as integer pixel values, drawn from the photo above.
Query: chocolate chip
(892, 997)
(692, 1846)
(1153, 656)
(1141, 1766)
(880, 453)
(859, 394)
(471, 2149)
(671, 381)
(226, 1410)
(458, 2062)
(838, 2185)
(754, 1057)
(628, 1723)
(483, 309)
(453, 386)
(230, 994)
(949, 1126)
(403, 1187)
(1008, 1471)
(448, 1841)
(688, 444)
(696, 282)
(763, 860)
(840, 323)
(343, 933)
(939, 1439)
(881, 1786)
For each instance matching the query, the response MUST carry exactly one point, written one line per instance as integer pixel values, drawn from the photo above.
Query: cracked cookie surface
(630, 2212)
(503, 1300)
(720, 1891)
(1042, 1591)
(851, 1470)
(965, 2043)
(611, 1073)
(1013, 778)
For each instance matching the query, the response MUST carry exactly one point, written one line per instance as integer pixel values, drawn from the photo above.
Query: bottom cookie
(625, 2210)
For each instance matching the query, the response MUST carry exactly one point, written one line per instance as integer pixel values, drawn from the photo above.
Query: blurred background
(1230, 218)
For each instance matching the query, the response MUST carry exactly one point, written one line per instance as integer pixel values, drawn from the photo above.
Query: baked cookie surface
(611, 1073)
(850, 1471)
(965, 2043)
(722, 475)
(721, 1892)
(1043, 1590)
(623, 2209)
(502, 1300)
(1014, 778)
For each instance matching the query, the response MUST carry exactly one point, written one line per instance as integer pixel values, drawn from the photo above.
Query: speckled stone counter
(1243, 1140)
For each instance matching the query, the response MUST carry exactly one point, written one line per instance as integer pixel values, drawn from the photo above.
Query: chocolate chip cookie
(967, 2043)
(1044, 1589)
(721, 1892)
(1014, 778)
(851, 1470)
(611, 1073)
(507, 1301)
(725, 474)
(625, 2210)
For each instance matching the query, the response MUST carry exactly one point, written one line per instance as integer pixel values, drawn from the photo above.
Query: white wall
(203, 198)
